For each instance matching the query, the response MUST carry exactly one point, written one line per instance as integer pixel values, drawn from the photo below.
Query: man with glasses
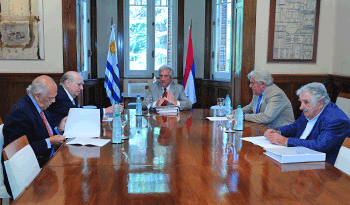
(270, 105)
(166, 92)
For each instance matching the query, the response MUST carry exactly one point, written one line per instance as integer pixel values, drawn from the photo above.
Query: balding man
(29, 117)
(71, 85)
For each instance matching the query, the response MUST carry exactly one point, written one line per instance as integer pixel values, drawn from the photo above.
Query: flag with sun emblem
(112, 71)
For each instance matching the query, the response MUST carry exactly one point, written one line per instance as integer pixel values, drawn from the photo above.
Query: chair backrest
(343, 102)
(3, 191)
(21, 165)
(343, 160)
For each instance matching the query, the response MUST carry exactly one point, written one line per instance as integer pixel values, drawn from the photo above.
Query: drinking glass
(148, 101)
(220, 102)
(231, 118)
(124, 118)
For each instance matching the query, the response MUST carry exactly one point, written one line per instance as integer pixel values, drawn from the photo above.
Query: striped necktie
(46, 124)
(165, 94)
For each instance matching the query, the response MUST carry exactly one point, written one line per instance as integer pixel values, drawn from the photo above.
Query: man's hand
(121, 108)
(109, 110)
(160, 101)
(62, 124)
(170, 98)
(275, 138)
(57, 139)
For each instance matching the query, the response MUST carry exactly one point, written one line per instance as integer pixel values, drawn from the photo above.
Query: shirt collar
(35, 104)
(262, 94)
(69, 95)
(167, 88)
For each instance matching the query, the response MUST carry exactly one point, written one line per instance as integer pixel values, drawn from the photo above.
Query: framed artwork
(293, 31)
(21, 29)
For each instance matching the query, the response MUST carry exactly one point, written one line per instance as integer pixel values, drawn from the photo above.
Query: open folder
(83, 123)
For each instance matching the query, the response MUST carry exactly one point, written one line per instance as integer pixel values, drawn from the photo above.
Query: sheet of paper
(83, 123)
(90, 141)
(217, 118)
(261, 141)
(84, 152)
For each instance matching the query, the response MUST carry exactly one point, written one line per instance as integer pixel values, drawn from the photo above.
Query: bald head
(72, 82)
(44, 90)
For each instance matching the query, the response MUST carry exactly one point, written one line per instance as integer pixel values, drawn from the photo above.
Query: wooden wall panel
(13, 87)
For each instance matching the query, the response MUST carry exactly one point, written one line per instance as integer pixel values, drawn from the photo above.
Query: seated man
(166, 92)
(270, 104)
(71, 85)
(322, 126)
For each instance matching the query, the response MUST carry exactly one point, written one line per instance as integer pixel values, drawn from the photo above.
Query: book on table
(295, 154)
(167, 109)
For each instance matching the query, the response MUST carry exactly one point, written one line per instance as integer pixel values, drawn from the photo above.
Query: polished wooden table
(182, 159)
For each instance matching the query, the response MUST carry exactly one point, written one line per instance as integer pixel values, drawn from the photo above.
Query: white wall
(341, 40)
(194, 10)
(105, 11)
(53, 41)
(325, 48)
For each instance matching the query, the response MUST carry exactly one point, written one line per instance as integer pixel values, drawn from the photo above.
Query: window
(226, 38)
(149, 36)
(83, 38)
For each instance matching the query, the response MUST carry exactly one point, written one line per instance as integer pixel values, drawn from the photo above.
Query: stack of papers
(90, 141)
(83, 123)
(262, 142)
(167, 109)
(295, 154)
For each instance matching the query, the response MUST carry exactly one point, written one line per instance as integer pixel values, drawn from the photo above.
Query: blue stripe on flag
(115, 77)
(110, 86)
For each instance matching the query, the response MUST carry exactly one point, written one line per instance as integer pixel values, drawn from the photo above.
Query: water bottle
(239, 118)
(227, 102)
(138, 105)
(117, 125)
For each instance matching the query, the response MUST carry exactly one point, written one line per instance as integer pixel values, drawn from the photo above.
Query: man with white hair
(270, 105)
(323, 126)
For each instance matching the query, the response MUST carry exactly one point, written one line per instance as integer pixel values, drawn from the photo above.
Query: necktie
(46, 124)
(165, 94)
(258, 105)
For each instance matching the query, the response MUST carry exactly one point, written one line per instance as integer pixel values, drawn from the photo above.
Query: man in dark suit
(29, 117)
(71, 85)
(322, 126)
(166, 92)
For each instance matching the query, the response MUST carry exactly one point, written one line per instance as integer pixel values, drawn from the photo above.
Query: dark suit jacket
(327, 136)
(60, 108)
(24, 119)
(156, 91)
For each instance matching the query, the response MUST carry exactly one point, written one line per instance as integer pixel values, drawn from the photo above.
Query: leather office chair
(3, 191)
(343, 160)
(21, 165)
(343, 102)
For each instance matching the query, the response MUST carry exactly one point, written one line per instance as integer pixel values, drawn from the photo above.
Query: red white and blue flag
(188, 80)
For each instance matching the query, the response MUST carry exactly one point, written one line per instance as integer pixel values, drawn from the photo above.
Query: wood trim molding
(69, 29)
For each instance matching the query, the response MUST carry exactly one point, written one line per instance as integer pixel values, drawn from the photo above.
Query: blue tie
(258, 105)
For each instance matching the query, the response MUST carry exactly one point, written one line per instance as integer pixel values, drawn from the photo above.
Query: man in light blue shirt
(323, 126)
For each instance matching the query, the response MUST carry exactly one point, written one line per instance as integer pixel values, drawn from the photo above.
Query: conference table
(182, 159)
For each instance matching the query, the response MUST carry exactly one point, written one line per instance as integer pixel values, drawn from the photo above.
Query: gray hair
(37, 86)
(167, 67)
(261, 75)
(317, 90)
(65, 77)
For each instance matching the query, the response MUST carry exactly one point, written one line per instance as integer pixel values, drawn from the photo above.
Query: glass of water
(148, 101)
(231, 118)
(124, 118)
(220, 102)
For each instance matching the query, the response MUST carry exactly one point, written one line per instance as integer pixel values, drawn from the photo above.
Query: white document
(217, 118)
(90, 141)
(167, 109)
(295, 154)
(84, 151)
(83, 123)
(262, 142)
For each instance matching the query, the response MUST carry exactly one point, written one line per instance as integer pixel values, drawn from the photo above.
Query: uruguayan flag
(112, 71)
